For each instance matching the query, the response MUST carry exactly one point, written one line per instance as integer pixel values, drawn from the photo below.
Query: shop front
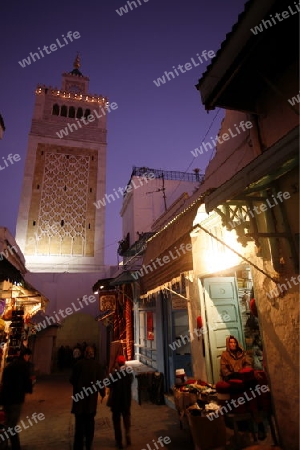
(163, 330)
(165, 299)
(226, 291)
(19, 301)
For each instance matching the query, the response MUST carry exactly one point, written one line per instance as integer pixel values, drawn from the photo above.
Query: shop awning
(124, 278)
(259, 173)
(237, 76)
(173, 242)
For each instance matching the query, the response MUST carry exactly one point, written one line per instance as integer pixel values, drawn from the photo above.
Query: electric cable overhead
(208, 130)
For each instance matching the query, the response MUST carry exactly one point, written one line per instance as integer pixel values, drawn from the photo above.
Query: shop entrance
(221, 306)
(182, 355)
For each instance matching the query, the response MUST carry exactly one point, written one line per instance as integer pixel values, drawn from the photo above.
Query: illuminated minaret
(58, 228)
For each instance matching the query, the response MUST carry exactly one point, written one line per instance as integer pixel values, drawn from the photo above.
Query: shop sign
(179, 303)
(107, 301)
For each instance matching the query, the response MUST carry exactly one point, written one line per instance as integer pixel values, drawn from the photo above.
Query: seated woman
(233, 359)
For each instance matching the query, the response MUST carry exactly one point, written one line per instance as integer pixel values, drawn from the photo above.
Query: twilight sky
(157, 127)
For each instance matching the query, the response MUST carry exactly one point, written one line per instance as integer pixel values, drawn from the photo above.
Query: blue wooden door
(222, 319)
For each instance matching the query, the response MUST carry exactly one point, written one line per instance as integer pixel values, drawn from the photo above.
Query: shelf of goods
(16, 332)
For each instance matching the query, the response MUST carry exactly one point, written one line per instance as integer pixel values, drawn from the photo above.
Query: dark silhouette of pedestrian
(120, 400)
(16, 382)
(77, 353)
(69, 356)
(86, 380)
(61, 357)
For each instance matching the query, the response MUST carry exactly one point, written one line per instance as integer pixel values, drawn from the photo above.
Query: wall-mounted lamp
(100, 287)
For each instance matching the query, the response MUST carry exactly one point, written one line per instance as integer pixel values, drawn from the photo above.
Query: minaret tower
(58, 228)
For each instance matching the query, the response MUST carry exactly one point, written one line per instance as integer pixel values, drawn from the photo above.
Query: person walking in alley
(77, 354)
(85, 378)
(120, 401)
(16, 382)
(61, 357)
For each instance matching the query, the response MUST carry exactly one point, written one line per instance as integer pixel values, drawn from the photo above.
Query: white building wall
(145, 203)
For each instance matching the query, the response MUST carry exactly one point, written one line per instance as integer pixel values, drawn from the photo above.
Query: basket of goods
(180, 377)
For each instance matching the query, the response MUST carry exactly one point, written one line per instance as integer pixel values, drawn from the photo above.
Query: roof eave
(233, 53)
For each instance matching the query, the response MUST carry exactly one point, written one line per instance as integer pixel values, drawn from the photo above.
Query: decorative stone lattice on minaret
(58, 228)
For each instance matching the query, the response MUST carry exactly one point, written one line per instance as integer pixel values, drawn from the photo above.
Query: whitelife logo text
(124, 9)
(9, 160)
(100, 384)
(86, 120)
(162, 261)
(53, 47)
(274, 20)
(198, 332)
(205, 56)
(280, 196)
(23, 426)
(292, 101)
(235, 403)
(50, 320)
(283, 287)
(242, 127)
(128, 188)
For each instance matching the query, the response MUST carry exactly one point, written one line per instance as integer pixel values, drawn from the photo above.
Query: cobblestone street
(52, 397)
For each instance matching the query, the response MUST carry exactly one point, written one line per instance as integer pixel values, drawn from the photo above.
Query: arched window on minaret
(64, 111)
(87, 112)
(55, 110)
(79, 113)
(72, 112)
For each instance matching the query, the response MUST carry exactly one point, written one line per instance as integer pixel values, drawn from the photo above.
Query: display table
(182, 401)
(141, 373)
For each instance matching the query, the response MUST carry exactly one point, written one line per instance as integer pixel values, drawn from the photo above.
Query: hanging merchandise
(16, 333)
(2, 305)
(253, 307)
(199, 322)
(8, 313)
(2, 324)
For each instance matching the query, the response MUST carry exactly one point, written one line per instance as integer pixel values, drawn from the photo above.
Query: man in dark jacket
(120, 400)
(16, 382)
(86, 380)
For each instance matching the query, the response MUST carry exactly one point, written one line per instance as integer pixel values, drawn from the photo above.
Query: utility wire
(208, 130)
